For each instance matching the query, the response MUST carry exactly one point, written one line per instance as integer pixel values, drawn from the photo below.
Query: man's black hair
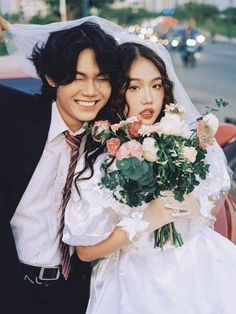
(58, 57)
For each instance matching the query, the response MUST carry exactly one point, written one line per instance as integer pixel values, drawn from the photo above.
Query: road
(213, 77)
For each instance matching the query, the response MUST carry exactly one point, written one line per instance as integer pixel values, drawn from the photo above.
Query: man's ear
(50, 81)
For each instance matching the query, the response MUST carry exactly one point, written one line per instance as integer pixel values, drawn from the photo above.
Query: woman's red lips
(147, 113)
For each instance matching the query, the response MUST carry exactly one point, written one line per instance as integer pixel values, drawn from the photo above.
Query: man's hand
(4, 26)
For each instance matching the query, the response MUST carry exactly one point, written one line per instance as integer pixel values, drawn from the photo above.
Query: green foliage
(3, 49)
(216, 107)
(77, 8)
(136, 170)
(200, 12)
(40, 19)
(209, 17)
(126, 16)
(230, 15)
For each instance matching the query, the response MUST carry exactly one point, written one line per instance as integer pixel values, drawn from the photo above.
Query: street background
(212, 77)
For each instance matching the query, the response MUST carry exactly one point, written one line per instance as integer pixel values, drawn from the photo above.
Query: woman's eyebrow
(157, 78)
(139, 79)
(134, 79)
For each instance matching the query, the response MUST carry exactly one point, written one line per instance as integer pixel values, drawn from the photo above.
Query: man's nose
(89, 88)
(147, 96)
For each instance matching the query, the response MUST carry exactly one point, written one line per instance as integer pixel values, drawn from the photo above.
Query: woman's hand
(166, 209)
(188, 208)
(4, 26)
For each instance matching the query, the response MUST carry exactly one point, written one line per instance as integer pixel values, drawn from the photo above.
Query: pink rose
(113, 145)
(130, 149)
(134, 127)
(205, 134)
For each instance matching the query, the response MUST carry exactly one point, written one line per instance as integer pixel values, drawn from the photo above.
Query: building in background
(159, 5)
(28, 8)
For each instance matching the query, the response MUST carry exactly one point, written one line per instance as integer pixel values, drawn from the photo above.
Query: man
(78, 68)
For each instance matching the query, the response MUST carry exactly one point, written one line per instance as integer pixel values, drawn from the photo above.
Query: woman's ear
(50, 81)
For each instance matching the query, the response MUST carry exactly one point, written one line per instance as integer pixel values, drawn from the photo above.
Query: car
(11, 75)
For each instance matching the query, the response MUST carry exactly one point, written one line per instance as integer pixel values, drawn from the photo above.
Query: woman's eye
(134, 88)
(78, 79)
(157, 86)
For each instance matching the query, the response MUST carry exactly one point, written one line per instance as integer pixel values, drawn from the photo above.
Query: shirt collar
(58, 126)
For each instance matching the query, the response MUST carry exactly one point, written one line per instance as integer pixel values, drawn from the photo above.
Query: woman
(132, 277)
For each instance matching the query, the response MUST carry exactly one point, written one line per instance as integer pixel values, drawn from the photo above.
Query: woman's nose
(147, 97)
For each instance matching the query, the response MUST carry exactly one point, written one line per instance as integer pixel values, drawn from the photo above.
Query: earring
(53, 85)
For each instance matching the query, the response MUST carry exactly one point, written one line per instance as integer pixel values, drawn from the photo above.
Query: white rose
(171, 124)
(175, 109)
(150, 149)
(190, 153)
(212, 122)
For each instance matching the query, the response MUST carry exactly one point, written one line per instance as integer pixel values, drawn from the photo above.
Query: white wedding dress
(197, 278)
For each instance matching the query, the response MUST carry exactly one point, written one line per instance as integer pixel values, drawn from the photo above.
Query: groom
(78, 69)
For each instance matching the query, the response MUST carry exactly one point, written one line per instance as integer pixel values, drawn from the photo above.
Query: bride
(129, 275)
(132, 276)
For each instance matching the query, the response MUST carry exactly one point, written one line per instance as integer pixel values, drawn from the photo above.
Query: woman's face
(145, 93)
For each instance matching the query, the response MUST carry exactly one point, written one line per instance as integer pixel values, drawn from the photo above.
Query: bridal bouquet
(144, 160)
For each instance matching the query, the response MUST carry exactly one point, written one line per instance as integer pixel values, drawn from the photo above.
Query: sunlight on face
(82, 99)
(145, 93)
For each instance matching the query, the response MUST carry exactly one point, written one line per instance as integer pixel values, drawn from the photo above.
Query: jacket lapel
(32, 148)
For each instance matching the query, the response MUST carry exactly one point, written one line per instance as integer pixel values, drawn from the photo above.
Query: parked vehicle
(11, 75)
(226, 216)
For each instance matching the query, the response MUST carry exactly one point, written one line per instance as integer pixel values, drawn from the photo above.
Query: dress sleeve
(217, 181)
(93, 215)
(88, 220)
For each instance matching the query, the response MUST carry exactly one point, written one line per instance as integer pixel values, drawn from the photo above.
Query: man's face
(82, 99)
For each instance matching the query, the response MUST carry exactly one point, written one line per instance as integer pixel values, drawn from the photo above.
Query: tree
(77, 8)
(200, 12)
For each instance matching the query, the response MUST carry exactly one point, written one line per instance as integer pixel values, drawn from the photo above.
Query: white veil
(24, 38)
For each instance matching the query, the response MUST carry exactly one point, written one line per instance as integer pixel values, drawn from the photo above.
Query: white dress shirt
(36, 221)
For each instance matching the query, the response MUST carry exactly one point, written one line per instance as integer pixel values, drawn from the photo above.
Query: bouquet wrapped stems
(165, 234)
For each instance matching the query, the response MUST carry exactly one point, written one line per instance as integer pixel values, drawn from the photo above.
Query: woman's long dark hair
(129, 53)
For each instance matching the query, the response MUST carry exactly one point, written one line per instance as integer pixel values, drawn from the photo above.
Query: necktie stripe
(74, 143)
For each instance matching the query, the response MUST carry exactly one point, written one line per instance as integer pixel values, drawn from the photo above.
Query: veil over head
(23, 38)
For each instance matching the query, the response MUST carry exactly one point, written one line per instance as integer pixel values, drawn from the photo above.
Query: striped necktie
(74, 143)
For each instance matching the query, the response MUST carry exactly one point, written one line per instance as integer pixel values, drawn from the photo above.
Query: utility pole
(62, 9)
(85, 8)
